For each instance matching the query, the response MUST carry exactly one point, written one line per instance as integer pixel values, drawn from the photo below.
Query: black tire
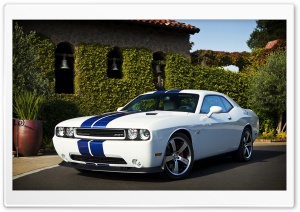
(244, 152)
(179, 157)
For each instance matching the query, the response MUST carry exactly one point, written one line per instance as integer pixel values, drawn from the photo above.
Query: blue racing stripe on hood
(102, 120)
(88, 123)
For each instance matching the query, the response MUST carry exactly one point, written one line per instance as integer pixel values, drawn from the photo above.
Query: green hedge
(98, 93)
(180, 74)
(95, 93)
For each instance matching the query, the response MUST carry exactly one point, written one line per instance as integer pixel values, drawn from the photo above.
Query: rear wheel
(179, 157)
(245, 150)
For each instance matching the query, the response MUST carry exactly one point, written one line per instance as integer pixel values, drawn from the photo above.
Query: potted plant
(28, 130)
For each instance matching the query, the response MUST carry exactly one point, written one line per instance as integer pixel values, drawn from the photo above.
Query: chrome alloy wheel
(245, 150)
(248, 144)
(179, 157)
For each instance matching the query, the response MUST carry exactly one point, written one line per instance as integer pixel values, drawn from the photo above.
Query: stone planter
(28, 135)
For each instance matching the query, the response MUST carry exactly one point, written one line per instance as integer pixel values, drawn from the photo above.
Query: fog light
(64, 157)
(137, 163)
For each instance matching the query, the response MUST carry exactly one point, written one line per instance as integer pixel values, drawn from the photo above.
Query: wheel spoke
(168, 158)
(175, 170)
(184, 145)
(172, 142)
(184, 160)
(246, 152)
(246, 138)
(248, 144)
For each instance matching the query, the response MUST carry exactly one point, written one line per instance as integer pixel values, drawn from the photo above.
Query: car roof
(193, 91)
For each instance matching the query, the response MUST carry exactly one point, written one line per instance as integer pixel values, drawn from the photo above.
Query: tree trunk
(279, 125)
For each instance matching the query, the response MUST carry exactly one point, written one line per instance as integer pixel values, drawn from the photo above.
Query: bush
(52, 112)
(33, 62)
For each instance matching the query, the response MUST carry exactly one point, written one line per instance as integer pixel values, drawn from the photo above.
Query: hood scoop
(151, 114)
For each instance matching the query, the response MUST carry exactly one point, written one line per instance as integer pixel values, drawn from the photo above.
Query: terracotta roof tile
(171, 24)
(272, 44)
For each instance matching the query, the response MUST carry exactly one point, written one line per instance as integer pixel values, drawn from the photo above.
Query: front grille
(98, 159)
(114, 133)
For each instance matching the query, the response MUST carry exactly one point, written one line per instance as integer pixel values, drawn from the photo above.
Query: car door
(217, 130)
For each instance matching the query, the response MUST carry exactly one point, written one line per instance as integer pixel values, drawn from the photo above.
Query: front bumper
(107, 168)
(111, 155)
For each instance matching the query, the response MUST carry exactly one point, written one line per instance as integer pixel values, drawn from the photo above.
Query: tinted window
(164, 101)
(214, 100)
(227, 105)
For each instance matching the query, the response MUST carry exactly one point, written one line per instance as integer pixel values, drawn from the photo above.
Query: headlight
(65, 132)
(69, 131)
(144, 134)
(138, 134)
(60, 131)
(132, 134)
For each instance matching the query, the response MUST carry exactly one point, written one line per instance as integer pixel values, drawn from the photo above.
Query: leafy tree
(31, 63)
(265, 31)
(268, 88)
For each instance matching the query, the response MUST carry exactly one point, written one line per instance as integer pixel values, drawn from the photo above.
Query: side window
(213, 100)
(227, 105)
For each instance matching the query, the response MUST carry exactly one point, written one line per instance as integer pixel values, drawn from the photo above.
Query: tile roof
(272, 44)
(171, 24)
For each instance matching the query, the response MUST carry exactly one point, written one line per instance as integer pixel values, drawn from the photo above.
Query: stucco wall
(112, 33)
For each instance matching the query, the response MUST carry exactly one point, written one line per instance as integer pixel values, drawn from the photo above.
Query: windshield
(182, 102)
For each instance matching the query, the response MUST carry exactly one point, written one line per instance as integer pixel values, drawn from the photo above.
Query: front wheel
(245, 149)
(179, 157)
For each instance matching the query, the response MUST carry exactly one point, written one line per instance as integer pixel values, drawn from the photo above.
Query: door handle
(229, 117)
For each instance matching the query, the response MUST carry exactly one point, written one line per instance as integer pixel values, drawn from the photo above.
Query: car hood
(150, 119)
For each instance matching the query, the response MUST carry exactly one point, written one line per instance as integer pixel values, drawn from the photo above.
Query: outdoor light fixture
(64, 63)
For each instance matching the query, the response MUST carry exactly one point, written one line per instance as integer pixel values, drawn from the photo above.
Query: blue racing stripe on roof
(173, 91)
(160, 91)
(167, 91)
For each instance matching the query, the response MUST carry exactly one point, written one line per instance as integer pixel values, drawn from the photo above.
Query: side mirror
(119, 109)
(214, 109)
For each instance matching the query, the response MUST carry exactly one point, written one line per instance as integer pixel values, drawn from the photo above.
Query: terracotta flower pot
(28, 137)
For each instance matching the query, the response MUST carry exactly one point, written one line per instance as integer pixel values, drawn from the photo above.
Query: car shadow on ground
(201, 168)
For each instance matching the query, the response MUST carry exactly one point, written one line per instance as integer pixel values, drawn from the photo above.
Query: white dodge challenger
(160, 131)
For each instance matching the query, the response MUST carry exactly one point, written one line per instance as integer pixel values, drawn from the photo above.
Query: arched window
(114, 64)
(64, 68)
(158, 67)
